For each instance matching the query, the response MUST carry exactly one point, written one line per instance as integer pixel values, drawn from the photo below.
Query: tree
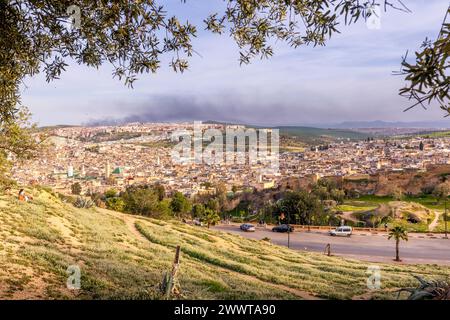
(180, 204)
(142, 200)
(5, 166)
(338, 195)
(374, 220)
(398, 233)
(300, 206)
(76, 188)
(210, 218)
(16, 142)
(441, 192)
(421, 146)
(160, 190)
(221, 195)
(116, 204)
(427, 78)
(213, 204)
(198, 210)
(321, 192)
(111, 193)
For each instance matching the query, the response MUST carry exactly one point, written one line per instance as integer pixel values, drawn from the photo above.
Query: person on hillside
(23, 196)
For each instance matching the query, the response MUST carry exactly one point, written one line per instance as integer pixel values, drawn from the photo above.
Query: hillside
(414, 216)
(314, 136)
(123, 257)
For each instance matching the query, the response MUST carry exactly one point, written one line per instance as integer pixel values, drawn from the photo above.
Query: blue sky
(350, 79)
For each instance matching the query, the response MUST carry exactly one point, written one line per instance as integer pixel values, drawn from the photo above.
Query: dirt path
(434, 223)
(129, 220)
(348, 215)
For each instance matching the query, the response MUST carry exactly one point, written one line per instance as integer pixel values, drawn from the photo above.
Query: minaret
(108, 170)
(83, 171)
(70, 171)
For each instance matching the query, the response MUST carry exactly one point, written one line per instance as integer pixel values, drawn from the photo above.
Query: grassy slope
(40, 240)
(314, 133)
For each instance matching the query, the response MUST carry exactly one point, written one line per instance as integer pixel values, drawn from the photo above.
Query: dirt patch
(3, 204)
(129, 220)
(435, 221)
(404, 210)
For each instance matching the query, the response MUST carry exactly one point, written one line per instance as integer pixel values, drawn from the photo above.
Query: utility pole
(445, 216)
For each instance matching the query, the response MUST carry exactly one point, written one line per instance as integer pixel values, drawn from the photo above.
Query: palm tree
(398, 233)
(211, 217)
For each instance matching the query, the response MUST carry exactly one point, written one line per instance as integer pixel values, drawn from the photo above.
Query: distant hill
(442, 124)
(61, 126)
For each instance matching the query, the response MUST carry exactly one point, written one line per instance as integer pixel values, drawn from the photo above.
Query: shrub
(76, 188)
(360, 224)
(83, 203)
(116, 204)
(66, 199)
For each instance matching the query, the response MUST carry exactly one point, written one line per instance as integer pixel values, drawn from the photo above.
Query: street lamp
(289, 229)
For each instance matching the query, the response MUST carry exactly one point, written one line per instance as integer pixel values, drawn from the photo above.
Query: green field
(355, 206)
(314, 136)
(124, 257)
(436, 134)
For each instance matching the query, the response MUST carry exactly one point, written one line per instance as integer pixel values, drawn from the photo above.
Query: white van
(343, 231)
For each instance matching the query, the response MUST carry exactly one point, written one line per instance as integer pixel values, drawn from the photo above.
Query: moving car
(283, 228)
(248, 227)
(343, 231)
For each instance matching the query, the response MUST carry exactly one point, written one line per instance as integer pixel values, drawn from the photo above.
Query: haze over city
(350, 79)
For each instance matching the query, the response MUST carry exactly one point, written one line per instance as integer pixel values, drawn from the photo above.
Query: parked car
(283, 228)
(343, 231)
(197, 222)
(248, 227)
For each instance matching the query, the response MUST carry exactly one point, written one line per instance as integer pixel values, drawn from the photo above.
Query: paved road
(364, 247)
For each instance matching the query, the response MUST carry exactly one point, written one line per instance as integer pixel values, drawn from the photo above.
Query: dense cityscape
(102, 157)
